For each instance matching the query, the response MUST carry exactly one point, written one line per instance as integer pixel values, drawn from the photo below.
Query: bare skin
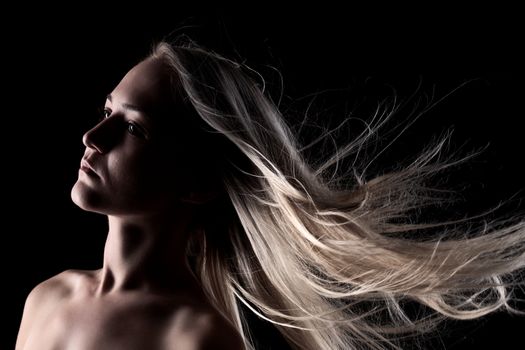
(145, 296)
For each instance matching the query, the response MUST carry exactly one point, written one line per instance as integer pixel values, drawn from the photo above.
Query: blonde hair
(333, 259)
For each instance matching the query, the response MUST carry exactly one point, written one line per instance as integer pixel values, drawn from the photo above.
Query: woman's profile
(215, 210)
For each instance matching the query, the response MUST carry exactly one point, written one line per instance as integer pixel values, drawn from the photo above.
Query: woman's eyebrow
(130, 106)
(134, 108)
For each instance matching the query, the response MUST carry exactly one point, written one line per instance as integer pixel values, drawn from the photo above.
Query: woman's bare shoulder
(61, 286)
(46, 296)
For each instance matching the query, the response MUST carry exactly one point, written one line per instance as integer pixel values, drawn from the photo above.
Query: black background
(59, 63)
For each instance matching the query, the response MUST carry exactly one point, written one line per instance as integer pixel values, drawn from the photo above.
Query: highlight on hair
(333, 258)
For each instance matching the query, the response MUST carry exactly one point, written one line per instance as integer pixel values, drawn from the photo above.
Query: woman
(214, 208)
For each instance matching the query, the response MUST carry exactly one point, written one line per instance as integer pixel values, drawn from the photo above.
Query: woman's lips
(87, 168)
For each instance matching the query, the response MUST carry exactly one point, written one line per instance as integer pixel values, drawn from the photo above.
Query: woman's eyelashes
(103, 113)
(132, 127)
(106, 112)
(135, 130)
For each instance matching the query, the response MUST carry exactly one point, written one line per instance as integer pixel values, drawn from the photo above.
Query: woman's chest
(103, 325)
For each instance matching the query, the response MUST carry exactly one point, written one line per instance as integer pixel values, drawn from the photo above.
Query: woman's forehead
(147, 85)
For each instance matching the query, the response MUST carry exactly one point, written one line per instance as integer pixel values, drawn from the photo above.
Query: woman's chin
(85, 198)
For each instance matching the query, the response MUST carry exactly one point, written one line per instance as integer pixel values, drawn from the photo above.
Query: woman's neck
(146, 253)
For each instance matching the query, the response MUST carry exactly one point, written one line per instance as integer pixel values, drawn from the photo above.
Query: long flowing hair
(333, 257)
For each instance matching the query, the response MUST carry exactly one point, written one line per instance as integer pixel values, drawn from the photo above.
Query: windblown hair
(332, 258)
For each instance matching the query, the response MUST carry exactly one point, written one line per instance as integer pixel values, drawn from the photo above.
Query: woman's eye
(104, 113)
(134, 130)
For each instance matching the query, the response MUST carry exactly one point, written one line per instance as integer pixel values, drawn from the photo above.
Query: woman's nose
(99, 137)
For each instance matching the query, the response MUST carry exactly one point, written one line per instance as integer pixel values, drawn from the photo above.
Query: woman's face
(132, 162)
